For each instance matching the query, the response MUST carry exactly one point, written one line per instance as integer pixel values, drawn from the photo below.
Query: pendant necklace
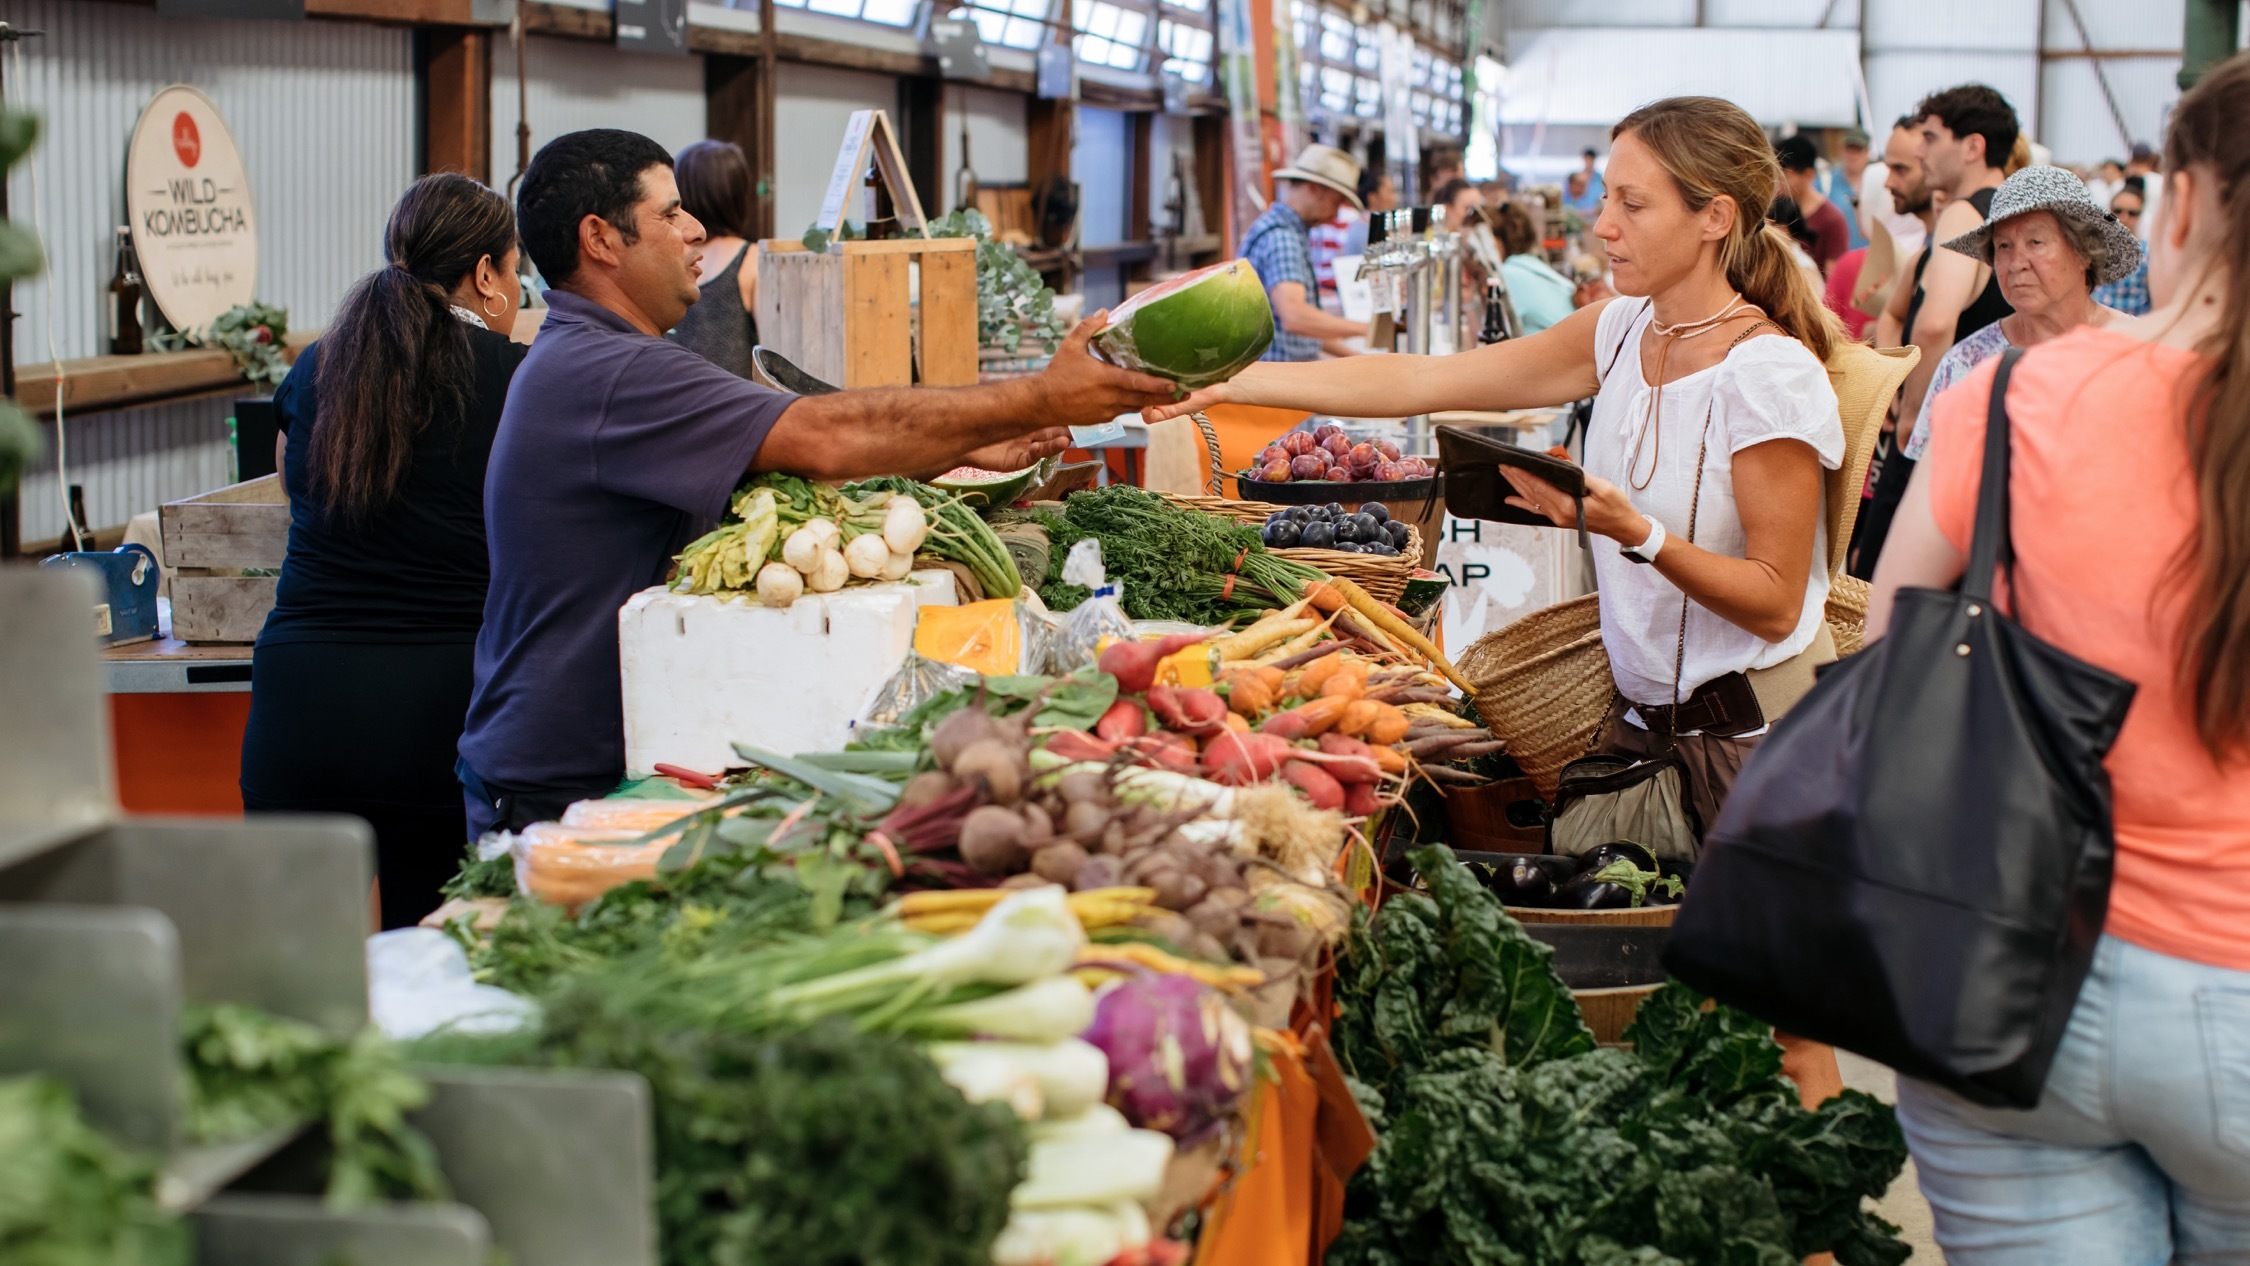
(1671, 334)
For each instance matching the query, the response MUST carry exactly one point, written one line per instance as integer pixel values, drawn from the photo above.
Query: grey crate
(271, 912)
(284, 1230)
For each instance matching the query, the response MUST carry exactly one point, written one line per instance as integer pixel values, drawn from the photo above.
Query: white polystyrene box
(702, 673)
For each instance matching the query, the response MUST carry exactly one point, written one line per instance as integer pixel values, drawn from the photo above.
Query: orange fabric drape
(1243, 429)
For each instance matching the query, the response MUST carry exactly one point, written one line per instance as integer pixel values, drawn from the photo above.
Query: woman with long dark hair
(361, 676)
(2129, 487)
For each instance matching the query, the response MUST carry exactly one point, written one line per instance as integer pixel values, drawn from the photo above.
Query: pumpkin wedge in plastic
(1196, 329)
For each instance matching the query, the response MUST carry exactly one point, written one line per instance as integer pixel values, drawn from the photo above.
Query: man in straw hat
(1306, 192)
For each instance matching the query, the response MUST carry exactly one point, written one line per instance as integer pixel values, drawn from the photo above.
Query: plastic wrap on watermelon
(1196, 329)
(916, 682)
(1098, 619)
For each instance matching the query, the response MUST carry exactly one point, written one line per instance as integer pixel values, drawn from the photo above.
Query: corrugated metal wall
(577, 84)
(323, 111)
(2077, 123)
(128, 462)
(1915, 47)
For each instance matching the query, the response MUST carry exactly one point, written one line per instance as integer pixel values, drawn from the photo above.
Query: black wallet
(1475, 489)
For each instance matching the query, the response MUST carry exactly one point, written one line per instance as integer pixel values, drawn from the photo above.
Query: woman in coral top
(2130, 490)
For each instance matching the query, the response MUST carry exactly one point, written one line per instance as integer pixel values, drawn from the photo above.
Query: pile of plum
(1329, 454)
(1370, 529)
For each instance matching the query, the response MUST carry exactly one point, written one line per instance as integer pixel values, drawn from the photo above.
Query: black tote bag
(1915, 864)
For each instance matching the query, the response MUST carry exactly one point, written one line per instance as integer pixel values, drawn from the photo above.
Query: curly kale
(1507, 1137)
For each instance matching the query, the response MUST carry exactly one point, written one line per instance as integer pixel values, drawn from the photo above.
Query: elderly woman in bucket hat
(2049, 245)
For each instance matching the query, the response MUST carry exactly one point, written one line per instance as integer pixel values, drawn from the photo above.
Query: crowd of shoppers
(2129, 485)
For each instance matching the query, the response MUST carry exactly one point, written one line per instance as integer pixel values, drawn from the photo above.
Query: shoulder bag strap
(1582, 413)
(1695, 507)
(1991, 547)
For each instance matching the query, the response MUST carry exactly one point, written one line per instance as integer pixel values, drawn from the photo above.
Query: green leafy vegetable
(1507, 1137)
(249, 1071)
(827, 1147)
(1171, 563)
(70, 1197)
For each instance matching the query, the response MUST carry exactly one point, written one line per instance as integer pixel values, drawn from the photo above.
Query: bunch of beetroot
(1327, 454)
(980, 819)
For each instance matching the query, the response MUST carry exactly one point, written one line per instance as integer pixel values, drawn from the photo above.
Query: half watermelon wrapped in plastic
(1196, 329)
(993, 488)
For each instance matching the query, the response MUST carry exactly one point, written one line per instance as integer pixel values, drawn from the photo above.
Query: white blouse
(1768, 388)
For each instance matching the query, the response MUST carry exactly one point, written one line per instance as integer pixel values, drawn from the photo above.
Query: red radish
(1167, 751)
(1360, 801)
(1319, 785)
(1287, 726)
(1189, 711)
(1357, 764)
(1238, 759)
(1134, 663)
(1079, 745)
(1125, 719)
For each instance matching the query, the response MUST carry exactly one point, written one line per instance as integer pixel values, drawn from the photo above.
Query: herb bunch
(1506, 1136)
(1170, 563)
(249, 1072)
(69, 1196)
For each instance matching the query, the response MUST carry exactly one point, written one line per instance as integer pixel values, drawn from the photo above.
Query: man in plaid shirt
(1307, 192)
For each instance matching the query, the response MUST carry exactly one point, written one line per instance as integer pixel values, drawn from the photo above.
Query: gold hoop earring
(503, 307)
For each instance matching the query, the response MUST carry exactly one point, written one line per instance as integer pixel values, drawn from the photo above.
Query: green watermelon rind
(1002, 488)
(1167, 337)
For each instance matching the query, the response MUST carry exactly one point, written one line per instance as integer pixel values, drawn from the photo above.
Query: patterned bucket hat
(2054, 190)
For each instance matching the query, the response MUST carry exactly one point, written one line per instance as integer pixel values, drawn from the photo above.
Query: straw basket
(1543, 685)
(1383, 577)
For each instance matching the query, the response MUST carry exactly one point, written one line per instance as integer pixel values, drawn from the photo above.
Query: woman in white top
(1713, 419)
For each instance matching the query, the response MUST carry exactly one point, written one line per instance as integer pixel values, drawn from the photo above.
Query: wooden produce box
(210, 540)
(848, 315)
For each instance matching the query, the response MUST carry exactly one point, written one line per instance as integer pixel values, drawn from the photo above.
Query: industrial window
(1113, 35)
(1012, 23)
(1187, 48)
(1340, 64)
(885, 12)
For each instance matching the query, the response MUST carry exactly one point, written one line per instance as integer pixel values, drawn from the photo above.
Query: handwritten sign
(188, 199)
(865, 129)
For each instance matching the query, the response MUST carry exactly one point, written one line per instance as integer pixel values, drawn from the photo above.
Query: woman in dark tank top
(714, 180)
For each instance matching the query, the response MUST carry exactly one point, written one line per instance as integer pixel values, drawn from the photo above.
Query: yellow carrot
(1365, 604)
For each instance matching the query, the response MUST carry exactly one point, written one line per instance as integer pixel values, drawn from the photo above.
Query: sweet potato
(1318, 784)
(1125, 719)
(1239, 760)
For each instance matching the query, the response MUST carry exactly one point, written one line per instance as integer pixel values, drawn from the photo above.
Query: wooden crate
(848, 315)
(209, 541)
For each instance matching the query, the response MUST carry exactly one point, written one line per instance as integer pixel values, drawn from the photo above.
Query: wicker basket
(1543, 685)
(1381, 576)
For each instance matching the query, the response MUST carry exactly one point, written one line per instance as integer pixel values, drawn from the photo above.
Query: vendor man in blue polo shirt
(617, 445)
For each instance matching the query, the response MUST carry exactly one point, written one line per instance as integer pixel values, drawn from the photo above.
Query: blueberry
(1377, 510)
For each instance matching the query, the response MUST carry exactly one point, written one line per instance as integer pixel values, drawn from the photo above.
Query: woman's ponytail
(1764, 268)
(395, 358)
(1714, 149)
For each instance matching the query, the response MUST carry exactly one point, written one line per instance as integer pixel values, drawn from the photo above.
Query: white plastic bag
(418, 982)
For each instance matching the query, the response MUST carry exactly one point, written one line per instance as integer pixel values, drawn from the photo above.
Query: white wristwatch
(1646, 551)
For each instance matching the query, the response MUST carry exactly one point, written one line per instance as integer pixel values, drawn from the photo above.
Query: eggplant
(1584, 893)
(1603, 855)
(1521, 879)
(1681, 871)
